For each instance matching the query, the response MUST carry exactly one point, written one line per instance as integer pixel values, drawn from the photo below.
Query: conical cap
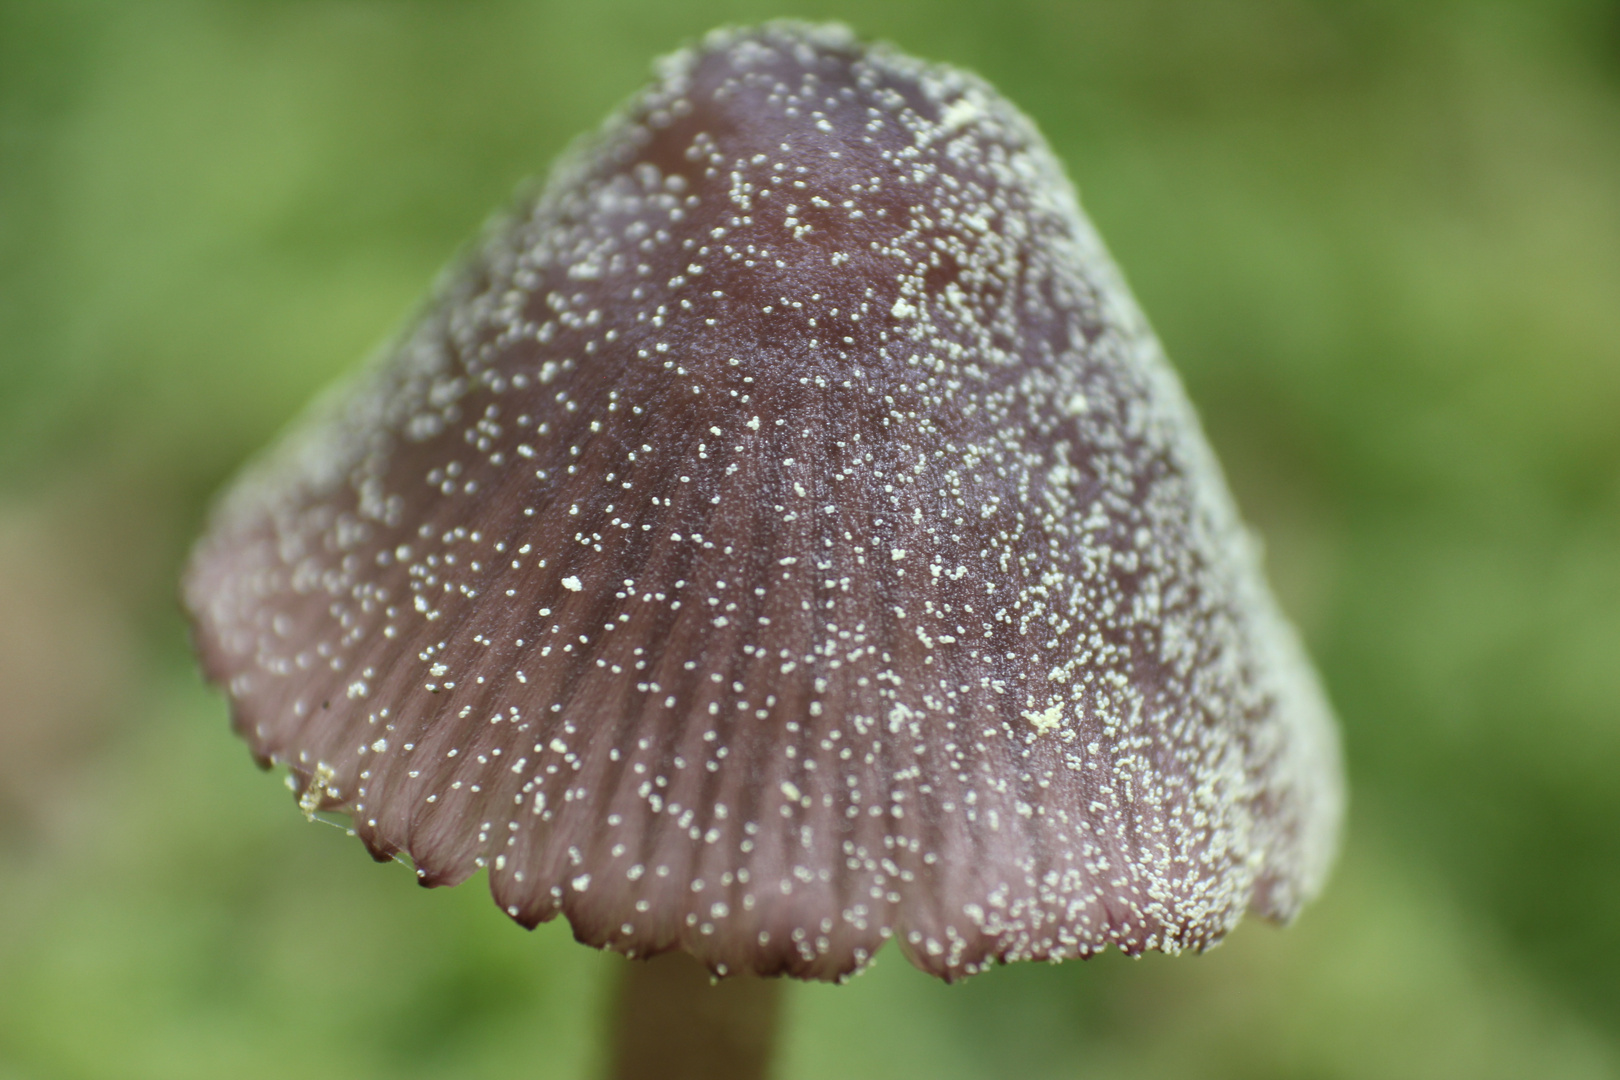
(782, 534)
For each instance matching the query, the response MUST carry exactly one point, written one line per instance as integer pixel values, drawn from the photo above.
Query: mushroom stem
(673, 1021)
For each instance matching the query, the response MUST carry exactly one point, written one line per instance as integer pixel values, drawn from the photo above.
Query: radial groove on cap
(781, 535)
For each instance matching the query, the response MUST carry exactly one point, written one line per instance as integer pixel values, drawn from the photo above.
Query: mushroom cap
(782, 534)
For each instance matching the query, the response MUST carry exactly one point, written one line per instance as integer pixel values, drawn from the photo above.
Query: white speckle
(1048, 719)
(964, 110)
(572, 584)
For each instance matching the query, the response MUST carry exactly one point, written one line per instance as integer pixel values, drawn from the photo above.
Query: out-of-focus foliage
(1381, 239)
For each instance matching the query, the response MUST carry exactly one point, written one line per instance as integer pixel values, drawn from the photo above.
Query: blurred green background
(1381, 239)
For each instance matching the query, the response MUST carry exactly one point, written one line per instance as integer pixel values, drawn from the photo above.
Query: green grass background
(1381, 240)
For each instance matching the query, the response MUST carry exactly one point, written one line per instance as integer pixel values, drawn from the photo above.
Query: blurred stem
(673, 1022)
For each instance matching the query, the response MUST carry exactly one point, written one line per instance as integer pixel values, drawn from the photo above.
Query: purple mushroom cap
(783, 534)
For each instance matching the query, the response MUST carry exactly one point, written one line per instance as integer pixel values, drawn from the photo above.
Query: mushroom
(781, 535)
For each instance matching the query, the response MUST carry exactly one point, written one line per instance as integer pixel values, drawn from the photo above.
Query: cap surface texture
(782, 534)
